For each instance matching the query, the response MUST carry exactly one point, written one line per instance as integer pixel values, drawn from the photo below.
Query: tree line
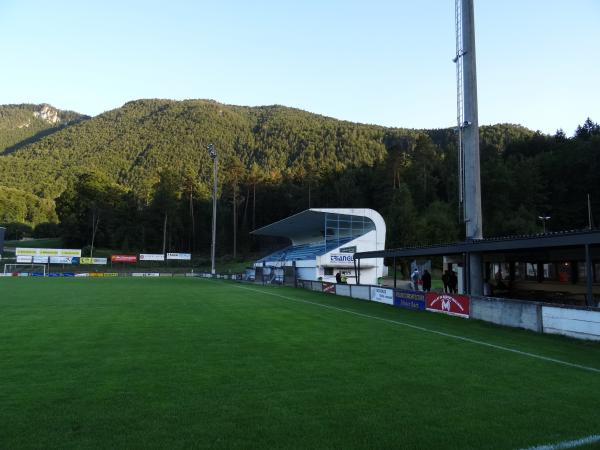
(139, 177)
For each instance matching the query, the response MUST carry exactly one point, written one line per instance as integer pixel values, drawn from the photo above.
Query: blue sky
(377, 61)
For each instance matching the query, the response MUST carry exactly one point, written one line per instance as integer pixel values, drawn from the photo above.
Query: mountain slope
(26, 123)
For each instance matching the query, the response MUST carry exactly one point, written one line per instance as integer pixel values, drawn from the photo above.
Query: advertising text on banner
(453, 304)
(184, 256)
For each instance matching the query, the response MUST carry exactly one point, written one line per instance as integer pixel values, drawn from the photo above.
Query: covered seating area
(562, 268)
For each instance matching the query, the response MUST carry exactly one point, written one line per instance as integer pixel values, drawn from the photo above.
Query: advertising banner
(382, 295)
(24, 259)
(184, 256)
(96, 274)
(40, 260)
(63, 260)
(338, 258)
(98, 261)
(329, 288)
(453, 304)
(124, 258)
(145, 274)
(152, 257)
(409, 299)
(47, 251)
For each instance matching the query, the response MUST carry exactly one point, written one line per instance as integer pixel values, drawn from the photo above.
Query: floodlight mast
(213, 154)
(468, 125)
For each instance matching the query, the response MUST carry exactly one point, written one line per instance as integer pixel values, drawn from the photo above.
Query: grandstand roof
(575, 238)
(311, 222)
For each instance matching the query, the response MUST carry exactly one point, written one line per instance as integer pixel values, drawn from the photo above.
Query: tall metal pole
(213, 155)
(470, 135)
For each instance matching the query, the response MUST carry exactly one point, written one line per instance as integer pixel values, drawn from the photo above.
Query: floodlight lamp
(211, 151)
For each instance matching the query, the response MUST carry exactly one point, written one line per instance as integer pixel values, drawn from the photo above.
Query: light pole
(544, 219)
(213, 154)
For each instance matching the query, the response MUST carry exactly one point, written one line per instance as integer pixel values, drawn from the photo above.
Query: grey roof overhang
(301, 223)
(502, 244)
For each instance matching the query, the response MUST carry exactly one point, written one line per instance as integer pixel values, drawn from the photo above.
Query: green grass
(174, 363)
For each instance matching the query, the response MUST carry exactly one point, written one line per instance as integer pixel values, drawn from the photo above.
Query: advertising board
(453, 304)
(97, 261)
(183, 256)
(152, 257)
(124, 258)
(24, 259)
(145, 274)
(40, 260)
(409, 299)
(47, 251)
(339, 258)
(382, 295)
(329, 288)
(63, 260)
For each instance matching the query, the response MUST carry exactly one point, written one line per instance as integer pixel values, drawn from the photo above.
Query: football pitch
(183, 362)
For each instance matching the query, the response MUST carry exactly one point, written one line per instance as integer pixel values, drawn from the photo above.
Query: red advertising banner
(329, 288)
(123, 258)
(454, 304)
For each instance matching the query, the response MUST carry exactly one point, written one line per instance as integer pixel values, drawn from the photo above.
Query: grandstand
(322, 244)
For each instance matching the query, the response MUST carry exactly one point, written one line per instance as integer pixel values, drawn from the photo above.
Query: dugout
(561, 267)
(322, 242)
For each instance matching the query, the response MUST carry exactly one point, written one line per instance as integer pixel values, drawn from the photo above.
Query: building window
(550, 272)
(328, 270)
(531, 271)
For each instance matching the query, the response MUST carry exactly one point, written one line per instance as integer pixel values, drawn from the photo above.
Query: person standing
(414, 278)
(446, 281)
(453, 283)
(426, 278)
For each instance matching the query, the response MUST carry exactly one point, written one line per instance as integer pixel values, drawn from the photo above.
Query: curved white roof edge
(362, 212)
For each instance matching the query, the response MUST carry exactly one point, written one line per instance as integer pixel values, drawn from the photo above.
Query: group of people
(425, 280)
(449, 279)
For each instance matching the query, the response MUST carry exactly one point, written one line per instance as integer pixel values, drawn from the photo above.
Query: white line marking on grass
(568, 444)
(427, 330)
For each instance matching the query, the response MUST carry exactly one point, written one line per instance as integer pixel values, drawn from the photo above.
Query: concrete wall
(343, 289)
(362, 292)
(578, 323)
(511, 313)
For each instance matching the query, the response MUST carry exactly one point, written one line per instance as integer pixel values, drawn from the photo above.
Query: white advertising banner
(152, 257)
(145, 274)
(40, 260)
(382, 295)
(23, 259)
(63, 259)
(341, 258)
(185, 256)
(47, 251)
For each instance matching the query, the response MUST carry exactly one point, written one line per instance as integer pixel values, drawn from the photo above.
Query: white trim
(568, 444)
(428, 330)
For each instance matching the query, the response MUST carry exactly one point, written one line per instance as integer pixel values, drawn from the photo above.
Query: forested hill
(26, 123)
(149, 156)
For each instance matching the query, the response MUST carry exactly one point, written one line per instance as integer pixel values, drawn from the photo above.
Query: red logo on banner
(456, 305)
(329, 288)
(124, 258)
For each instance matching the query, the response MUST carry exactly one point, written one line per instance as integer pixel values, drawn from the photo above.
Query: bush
(47, 230)
(16, 231)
